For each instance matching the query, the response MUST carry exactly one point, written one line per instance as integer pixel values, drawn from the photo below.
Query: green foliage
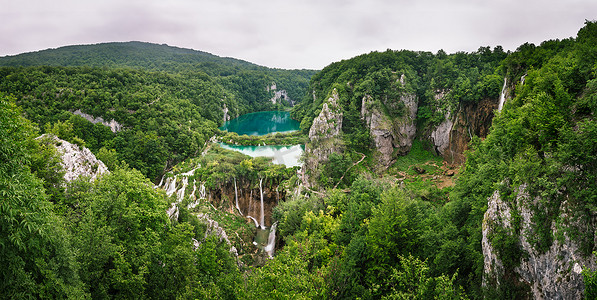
(36, 255)
(412, 281)
(293, 138)
(590, 280)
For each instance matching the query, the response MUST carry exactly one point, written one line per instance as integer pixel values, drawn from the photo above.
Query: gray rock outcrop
(553, 274)
(324, 137)
(77, 161)
(391, 133)
(114, 126)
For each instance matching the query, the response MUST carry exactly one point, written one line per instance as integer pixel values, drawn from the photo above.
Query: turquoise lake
(262, 123)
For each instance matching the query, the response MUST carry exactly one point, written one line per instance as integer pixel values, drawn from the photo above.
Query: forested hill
(373, 213)
(125, 54)
(166, 101)
(156, 57)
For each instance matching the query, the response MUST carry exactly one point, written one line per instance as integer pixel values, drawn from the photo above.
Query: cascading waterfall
(170, 186)
(160, 184)
(251, 206)
(194, 189)
(503, 95)
(262, 211)
(254, 220)
(202, 193)
(236, 197)
(180, 193)
(271, 241)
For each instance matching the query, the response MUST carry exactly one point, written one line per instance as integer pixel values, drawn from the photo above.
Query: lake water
(282, 155)
(262, 123)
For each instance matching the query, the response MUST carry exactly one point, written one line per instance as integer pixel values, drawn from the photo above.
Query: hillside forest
(425, 175)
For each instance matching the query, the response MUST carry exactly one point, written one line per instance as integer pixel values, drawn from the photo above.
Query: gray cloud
(292, 34)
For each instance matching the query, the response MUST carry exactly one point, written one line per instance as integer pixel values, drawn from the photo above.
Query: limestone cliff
(225, 112)
(451, 137)
(225, 197)
(76, 161)
(114, 126)
(324, 137)
(553, 274)
(391, 134)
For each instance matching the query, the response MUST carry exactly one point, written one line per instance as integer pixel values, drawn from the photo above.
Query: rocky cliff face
(225, 197)
(554, 274)
(114, 126)
(451, 137)
(391, 135)
(225, 112)
(77, 161)
(324, 136)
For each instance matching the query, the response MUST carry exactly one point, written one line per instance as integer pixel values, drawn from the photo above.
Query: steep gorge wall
(225, 196)
(451, 137)
(551, 274)
(392, 135)
(324, 138)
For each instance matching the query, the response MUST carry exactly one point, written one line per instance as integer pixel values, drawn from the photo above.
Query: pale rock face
(555, 274)
(77, 161)
(114, 126)
(407, 127)
(380, 128)
(441, 135)
(329, 121)
(225, 111)
(324, 135)
(279, 96)
(391, 133)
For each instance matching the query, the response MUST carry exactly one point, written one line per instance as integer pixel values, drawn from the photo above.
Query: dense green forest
(360, 232)
(168, 111)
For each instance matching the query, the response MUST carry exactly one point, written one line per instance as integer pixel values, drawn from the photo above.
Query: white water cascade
(160, 184)
(503, 95)
(194, 189)
(170, 186)
(236, 197)
(180, 193)
(271, 241)
(254, 220)
(262, 211)
(202, 193)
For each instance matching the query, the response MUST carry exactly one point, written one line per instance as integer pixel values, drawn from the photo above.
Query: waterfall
(170, 186)
(254, 220)
(160, 184)
(202, 193)
(250, 203)
(271, 241)
(180, 193)
(236, 197)
(173, 211)
(503, 95)
(194, 189)
(262, 212)
(522, 79)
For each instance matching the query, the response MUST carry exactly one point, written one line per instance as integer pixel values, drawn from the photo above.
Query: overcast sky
(291, 33)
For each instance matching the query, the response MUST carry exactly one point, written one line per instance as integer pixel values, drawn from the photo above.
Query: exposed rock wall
(324, 137)
(249, 195)
(280, 96)
(77, 161)
(451, 137)
(225, 111)
(114, 126)
(554, 274)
